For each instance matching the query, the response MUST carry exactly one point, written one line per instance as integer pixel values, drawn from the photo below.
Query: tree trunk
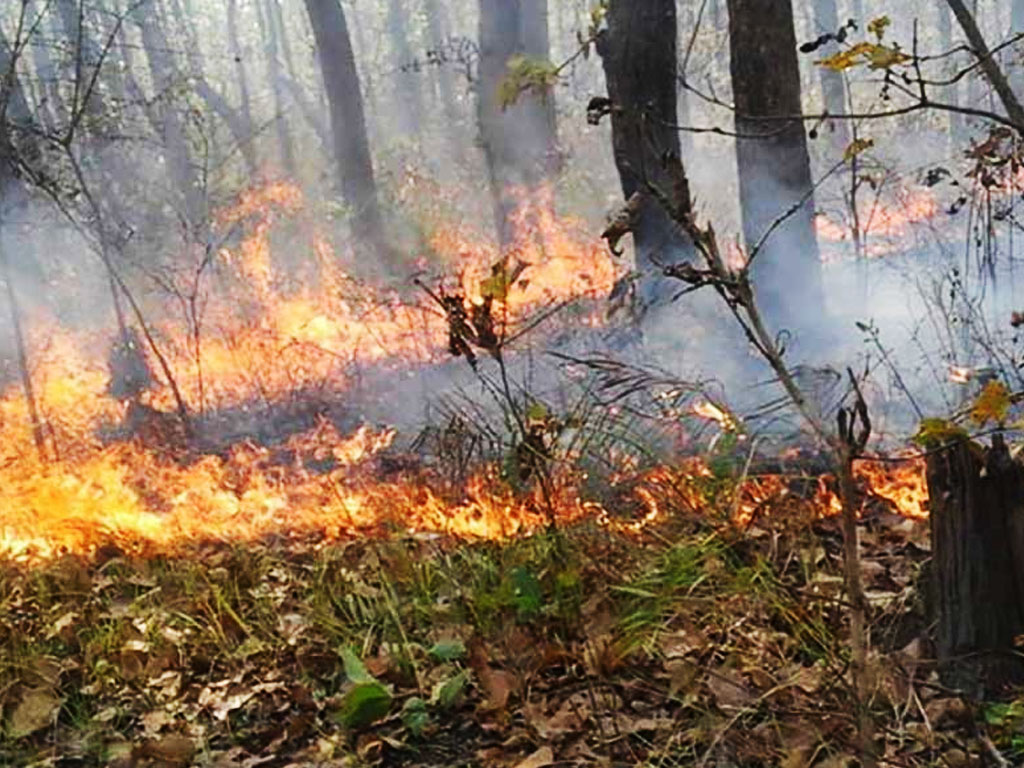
(242, 75)
(639, 54)
(951, 93)
(277, 44)
(1016, 28)
(268, 38)
(977, 527)
(437, 31)
(774, 167)
(408, 99)
(172, 127)
(519, 141)
(348, 123)
(833, 86)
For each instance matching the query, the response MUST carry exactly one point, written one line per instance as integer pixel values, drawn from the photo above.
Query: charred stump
(977, 528)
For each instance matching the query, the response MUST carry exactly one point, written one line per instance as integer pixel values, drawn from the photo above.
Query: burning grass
(696, 641)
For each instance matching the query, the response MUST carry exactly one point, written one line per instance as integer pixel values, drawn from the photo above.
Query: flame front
(268, 334)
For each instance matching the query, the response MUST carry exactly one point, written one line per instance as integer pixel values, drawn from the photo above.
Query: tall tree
(409, 99)
(520, 139)
(173, 129)
(773, 163)
(277, 46)
(639, 54)
(833, 86)
(348, 123)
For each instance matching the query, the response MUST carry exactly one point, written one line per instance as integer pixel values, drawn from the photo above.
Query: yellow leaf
(883, 57)
(856, 147)
(993, 404)
(877, 26)
(846, 59)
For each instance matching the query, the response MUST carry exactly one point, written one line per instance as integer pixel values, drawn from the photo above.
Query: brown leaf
(170, 751)
(542, 757)
(729, 688)
(35, 711)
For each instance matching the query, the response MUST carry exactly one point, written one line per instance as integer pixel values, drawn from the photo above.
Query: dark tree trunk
(774, 166)
(241, 73)
(977, 527)
(348, 123)
(519, 142)
(639, 51)
(833, 87)
(408, 98)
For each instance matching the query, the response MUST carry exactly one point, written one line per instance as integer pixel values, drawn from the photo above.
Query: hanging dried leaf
(992, 405)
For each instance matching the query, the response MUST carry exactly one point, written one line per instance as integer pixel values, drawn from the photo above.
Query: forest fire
(884, 223)
(274, 339)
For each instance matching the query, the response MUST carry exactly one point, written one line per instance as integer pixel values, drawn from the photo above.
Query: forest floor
(693, 643)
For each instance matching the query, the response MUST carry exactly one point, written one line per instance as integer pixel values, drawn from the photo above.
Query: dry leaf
(542, 757)
(729, 688)
(35, 711)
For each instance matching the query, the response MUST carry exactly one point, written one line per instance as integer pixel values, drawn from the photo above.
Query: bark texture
(348, 122)
(977, 527)
(519, 140)
(639, 54)
(774, 166)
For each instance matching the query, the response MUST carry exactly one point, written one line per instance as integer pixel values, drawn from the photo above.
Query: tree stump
(977, 528)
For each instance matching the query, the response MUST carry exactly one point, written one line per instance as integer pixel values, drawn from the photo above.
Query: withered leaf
(542, 757)
(35, 711)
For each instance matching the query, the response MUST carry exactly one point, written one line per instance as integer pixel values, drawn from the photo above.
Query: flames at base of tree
(266, 336)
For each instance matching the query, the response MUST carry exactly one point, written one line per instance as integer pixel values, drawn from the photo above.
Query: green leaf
(364, 704)
(415, 716)
(528, 595)
(448, 650)
(522, 74)
(934, 432)
(447, 693)
(354, 669)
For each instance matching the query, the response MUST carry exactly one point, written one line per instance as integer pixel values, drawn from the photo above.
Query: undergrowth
(697, 643)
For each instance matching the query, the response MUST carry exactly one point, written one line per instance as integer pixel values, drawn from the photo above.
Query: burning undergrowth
(245, 419)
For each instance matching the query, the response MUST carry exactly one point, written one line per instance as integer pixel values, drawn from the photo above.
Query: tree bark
(639, 55)
(774, 167)
(348, 123)
(977, 527)
(408, 98)
(519, 141)
(833, 86)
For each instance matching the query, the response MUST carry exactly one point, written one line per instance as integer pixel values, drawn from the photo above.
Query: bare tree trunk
(519, 140)
(994, 75)
(437, 29)
(348, 123)
(241, 73)
(408, 98)
(277, 44)
(237, 120)
(638, 51)
(957, 121)
(774, 166)
(833, 87)
(173, 130)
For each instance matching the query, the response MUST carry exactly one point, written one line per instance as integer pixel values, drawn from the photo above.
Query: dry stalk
(854, 427)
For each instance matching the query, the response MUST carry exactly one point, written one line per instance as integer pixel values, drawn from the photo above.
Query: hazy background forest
(511, 382)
